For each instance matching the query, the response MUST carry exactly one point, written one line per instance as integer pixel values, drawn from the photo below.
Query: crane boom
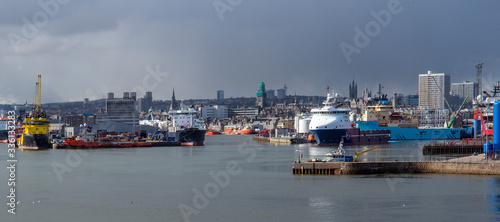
(458, 111)
(364, 151)
(444, 97)
(37, 99)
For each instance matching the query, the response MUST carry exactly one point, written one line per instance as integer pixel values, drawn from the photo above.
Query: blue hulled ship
(403, 126)
(414, 133)
(331, 125)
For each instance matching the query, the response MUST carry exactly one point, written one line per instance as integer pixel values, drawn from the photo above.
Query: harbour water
(233, 178)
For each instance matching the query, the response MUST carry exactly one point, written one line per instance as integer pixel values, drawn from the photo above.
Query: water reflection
(494, 195)
(189, 151)
(321, 205)
(392, 151)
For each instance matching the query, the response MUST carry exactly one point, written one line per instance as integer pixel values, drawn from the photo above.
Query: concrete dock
(284, 140)
(476, 165)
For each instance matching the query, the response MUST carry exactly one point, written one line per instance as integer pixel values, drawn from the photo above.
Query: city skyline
(87, 49)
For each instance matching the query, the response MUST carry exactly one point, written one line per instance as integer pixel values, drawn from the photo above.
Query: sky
(85, 49)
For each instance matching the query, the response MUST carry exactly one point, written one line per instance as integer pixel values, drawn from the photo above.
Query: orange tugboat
(246, 131)
(228, 131)
(210, 132)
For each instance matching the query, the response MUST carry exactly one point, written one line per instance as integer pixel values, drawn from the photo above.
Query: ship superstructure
(484, 110)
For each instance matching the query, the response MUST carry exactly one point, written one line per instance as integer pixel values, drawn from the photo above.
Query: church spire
(173, 103)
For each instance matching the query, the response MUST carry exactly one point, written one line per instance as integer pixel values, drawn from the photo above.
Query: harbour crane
(458, 111)
(441, 91)
(37, 100)
(479, 77)
(364, 151)
(449, 107)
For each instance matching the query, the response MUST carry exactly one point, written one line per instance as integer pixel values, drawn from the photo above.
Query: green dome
(262, 86)
(262, 89)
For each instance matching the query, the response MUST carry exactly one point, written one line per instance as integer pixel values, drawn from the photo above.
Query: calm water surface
(255, 183)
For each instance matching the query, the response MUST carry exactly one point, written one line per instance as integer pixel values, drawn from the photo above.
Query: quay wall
(396, 167)
(280, 140)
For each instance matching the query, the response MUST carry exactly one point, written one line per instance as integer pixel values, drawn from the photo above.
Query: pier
(452, 149)
(283, 140)
(465, 146)
(475, 165)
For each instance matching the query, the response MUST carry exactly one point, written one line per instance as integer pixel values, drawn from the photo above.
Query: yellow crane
(36, 126)
(37, 100)
(364, 151)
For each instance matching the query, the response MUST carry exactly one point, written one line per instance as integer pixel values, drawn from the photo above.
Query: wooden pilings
(320, 168)
(451, 149)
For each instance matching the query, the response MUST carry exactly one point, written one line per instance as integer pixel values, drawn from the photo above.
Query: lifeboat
(246, 131)
(212, 133)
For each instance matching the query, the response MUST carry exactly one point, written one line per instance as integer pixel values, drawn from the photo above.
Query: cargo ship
(331, 126)
(191, 136)
(35, 125)
(382, 116)
(186, 127)
(412, 133)
(88, 139)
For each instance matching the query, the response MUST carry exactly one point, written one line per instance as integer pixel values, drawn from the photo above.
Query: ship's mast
(496, 89)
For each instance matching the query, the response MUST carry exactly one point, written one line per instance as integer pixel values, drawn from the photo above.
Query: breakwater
(445, 167)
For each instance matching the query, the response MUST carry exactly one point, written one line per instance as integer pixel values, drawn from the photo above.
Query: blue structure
(495, 146)
(467, 132)
(496, 126)
(487, 148)
(411, 133)
(477, 128)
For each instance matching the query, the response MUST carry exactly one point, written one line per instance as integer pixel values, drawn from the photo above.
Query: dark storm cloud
(91, 47)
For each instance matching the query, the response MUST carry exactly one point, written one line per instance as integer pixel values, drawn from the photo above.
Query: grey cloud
(106, 45)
